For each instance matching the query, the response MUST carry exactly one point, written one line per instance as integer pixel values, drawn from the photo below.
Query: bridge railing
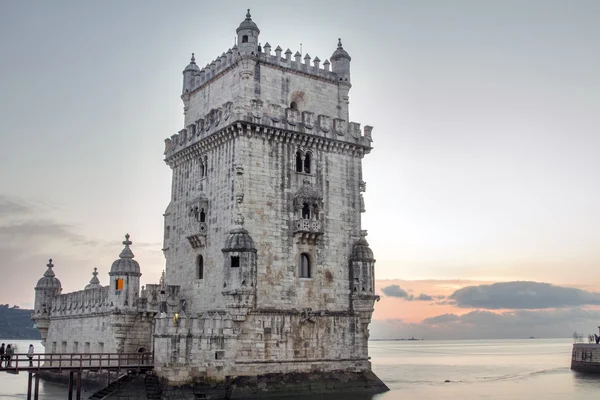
(77, 360)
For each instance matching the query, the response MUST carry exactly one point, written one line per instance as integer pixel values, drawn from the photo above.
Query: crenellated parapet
(315, 126)
(82, 302)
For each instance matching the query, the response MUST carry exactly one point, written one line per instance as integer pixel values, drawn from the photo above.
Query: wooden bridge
(75, 364)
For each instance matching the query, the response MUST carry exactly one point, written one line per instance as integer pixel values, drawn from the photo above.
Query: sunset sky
(485, 169)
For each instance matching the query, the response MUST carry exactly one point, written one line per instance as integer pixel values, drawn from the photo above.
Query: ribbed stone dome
(248, 24)
(49, 280)
(361, 251)
(192, 66)
(125, 265)
(239, 239)
(340, 52)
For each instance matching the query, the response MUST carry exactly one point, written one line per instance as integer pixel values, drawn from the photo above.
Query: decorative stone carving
(227, 110)
(339, 126)
(239, 184)
(199, 126)
(291, 116)
(168, 145)
(368, 130)
(324, 123)
(354, 129)
(256, 106)
(275, 112)
(308, 119)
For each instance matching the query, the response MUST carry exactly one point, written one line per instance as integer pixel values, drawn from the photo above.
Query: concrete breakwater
(586, 358)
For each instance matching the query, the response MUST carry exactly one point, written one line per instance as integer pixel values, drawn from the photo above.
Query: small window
(202, 215)
(305, 211)
(294, 106)
(307, 163)
(200, 267)
(245, 39)
(235, 261)
(119, 284)
(202, 170)
(304, 267)
(298, 161)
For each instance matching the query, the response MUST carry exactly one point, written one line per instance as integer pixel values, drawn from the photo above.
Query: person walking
(2, 351)
(30, 355)
(8, 355)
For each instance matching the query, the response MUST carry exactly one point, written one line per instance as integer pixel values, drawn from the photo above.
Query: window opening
(202, 215)
(245, 39)
(316, 212)
(119, 284)
(304, 266)
(298, 161)
(200, 267)
(307, 163)
(202, 170)
(305, 211)
(294, 106)
(235, 261)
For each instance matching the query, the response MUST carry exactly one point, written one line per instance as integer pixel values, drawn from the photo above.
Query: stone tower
(46, 290)
(263, 236)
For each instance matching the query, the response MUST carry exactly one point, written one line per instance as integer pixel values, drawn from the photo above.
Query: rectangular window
(100, 347)
(86, 347)
(63, 347)
(235, 261)
(53, 347)
(75, 347)
(119, 284)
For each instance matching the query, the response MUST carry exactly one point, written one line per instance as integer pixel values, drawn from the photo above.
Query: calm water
(477, 369)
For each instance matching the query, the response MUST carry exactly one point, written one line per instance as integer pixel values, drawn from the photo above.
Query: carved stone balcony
(198, 238)
(308, 230)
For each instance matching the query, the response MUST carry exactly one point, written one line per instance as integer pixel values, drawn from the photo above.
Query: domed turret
(361, 251)
(125, 265)
(248, 35)
(124, 278)
(340, 63)
(239, 240)
(94, 282)
(49, 280)
(188, 75)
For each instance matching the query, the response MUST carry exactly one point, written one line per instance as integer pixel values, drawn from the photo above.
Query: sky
(485, 168)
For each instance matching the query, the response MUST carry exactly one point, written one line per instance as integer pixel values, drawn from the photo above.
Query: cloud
(522, 295)
(482, 324)
(397, 291)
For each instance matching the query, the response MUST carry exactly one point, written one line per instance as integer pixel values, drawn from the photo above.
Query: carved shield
(308, 119)
(199, 126)
(291, 116)
(275, 112)
(227, 112)
(257, 108)
(339, 126)
(168, 145)
(324, 123)
(354, 129)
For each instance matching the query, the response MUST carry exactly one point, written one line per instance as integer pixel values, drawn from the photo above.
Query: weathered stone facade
(267, 268)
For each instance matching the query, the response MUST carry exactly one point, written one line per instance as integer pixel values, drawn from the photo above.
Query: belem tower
(268, 271)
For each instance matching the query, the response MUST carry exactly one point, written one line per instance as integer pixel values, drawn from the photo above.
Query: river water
(476, 369)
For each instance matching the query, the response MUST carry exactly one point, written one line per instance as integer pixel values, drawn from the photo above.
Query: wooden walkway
(75, 364)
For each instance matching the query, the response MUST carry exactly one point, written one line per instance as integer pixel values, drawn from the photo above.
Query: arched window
(305, 211)
(205, 166)
(245, 39)
(200, 267)
(202, 169)
(304, 269)
(307, 163)
(298, 161)
(202, 215)
(294, 105)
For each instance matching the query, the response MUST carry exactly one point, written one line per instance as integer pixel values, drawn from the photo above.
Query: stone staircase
(153, 390)
(113, 387)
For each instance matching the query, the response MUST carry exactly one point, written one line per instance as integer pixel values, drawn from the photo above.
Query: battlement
(270, 115)
(89, 301)
(232, 56)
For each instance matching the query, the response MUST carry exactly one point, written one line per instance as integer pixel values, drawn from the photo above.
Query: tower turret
(189, 73)
(124, 278)
(47, 288)
(94, 282)
(340, 63)
(248, 35)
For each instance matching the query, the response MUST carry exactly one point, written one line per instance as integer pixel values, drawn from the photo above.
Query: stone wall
(585, 358)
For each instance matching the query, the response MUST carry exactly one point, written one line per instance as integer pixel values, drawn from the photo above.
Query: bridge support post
(70, 385)
(36, 390)
(29, 386)
(79, 385)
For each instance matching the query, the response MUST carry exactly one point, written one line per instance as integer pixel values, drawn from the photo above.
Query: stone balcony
(308, 230)
(198, 237)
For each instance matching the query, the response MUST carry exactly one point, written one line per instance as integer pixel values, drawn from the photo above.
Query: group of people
(6, 354)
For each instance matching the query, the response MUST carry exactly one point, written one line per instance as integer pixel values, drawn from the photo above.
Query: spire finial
(127, 242)
(193, 60)
(95, 273)
(49, 271)
(248, 17)
(340, 43)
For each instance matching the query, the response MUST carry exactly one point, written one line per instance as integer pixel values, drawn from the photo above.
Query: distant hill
(16, 323)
